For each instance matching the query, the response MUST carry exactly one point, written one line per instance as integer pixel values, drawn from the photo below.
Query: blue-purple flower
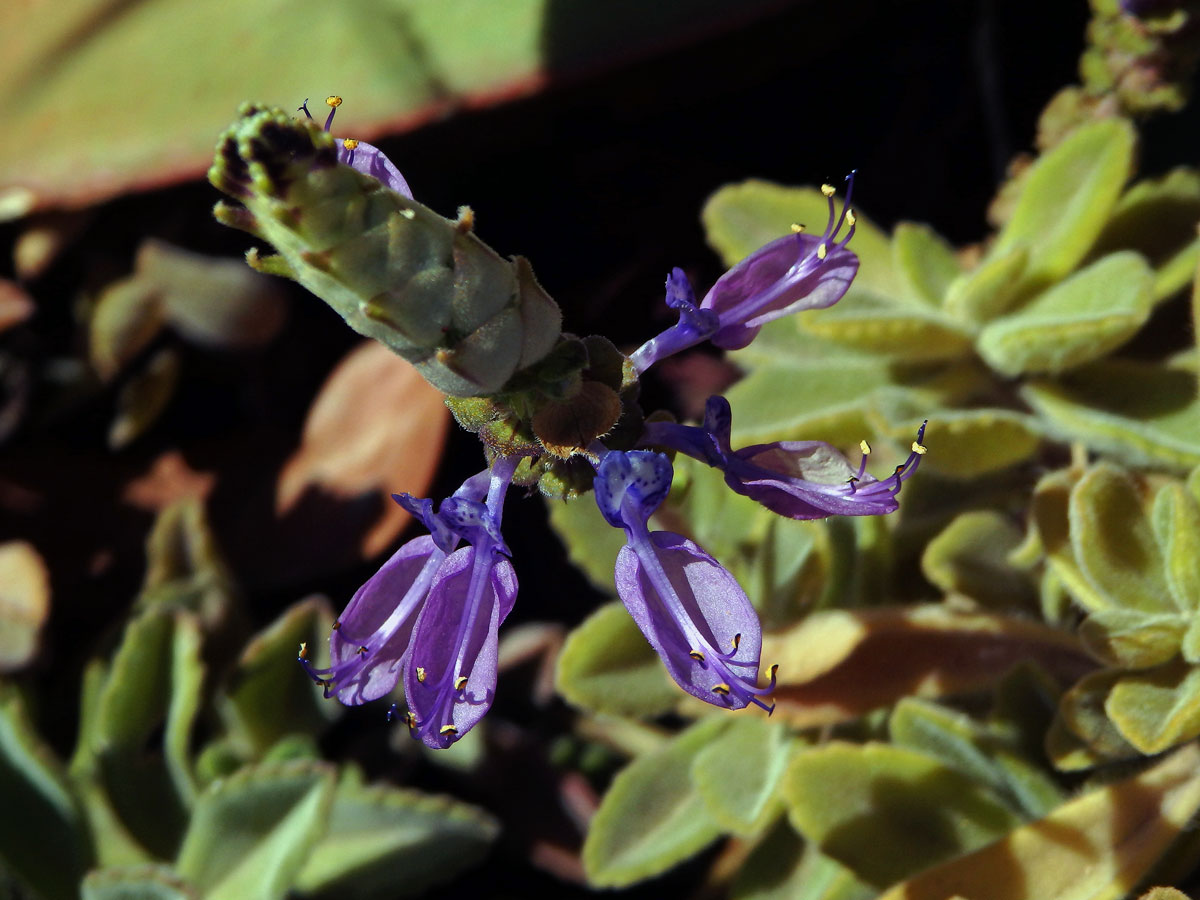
(691, 610)
(366, 158)
(797, 479)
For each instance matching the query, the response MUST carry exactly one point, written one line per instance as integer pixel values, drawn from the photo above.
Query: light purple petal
(370, 160)
(372, 635)
(784, 277)
(699, 620)
(637, 477)
(455, 638)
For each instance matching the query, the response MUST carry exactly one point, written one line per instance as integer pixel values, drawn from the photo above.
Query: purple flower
(797, 479)
(686, 604)
(431, 615)
(799, 271)
(366, 158)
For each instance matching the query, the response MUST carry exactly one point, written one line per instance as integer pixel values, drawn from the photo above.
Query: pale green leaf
(1157, 708)
(875, 323)
(607, 666)
(43, 836)
(251, 832)
(1066, 199)
(925, 261)
(1133, 638)
(1177, 524)
(970, 556)
(738, 772)
(1082, 734)
(384, 842)
(151, 882)
(1074, 322)
(1097, 846)
(963, 443)
(989, 289)
(886, 812)
(592, 544)
(782, 867)
(24, 603)
(1135, 412)
(652, 816)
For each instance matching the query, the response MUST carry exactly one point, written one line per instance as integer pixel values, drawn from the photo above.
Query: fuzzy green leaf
(384, 842)
(137, 883)
(592, 544)
(606, 666)
(738, 772)
(925, 261)
(1066, 199)
(1176, 519)
(1158, 708)
(886, 812)
(989, 289)
(970, 556)
(652, 816)
(782, 867)
(1074, 322)
(878, 324)
(1133, 638)
(250, 833)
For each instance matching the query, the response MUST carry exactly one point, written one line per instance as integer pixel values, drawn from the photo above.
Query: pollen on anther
(410, 719)
(696, 655)
(421, 674)
(797, 228)
(409, 213)
(919, 449)
(460, 682)
(865, 448)
(335, 102)
(722, 689)
(827, 190)
(822, 251)
(350, 143)
(737, 640)
(850, 217)
(447, 729)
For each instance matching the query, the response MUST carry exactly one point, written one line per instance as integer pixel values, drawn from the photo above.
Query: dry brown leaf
(168, 479)
(838, 665)
(376, 427)
(15, 305)
(24, 603)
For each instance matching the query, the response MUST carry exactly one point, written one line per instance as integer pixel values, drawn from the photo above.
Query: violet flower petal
(370, 160)
(450, 673)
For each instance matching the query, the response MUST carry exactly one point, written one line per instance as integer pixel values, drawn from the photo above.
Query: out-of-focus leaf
(591, 543)
(1133, 638)
(250, 833)
(737, 774)
(384, 842)
(989, 289)
(15, 305)
(1164, 893)
(137, 883)
(1051, 517)
(606, 666)
(879, 325)
(24, 603)
(1114, 542)
(925, 261)
(168, 480)
(837, 665)
(652, 816)
(265, 698)
(1137, 413)
(43, 838)
(740, 218)
(210, 300)
(1095, 847)
(184, 566)
(1066, 199)
(782, 867)
(1075, 321)
(399, 63)
(959, 741)
(963, 443)
(886, 812)
(376, 424)
(1176, 518)
(1157, 708)
(143, 398)
(125, 319)
(1082, 734)
(1157, 217)
(970, 556)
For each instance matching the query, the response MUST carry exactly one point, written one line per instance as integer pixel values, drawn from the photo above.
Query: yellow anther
(304, 650)
(722, 689)
(850, 217)
(410, 719)
(865, 448)
(696, 655)
(797, 228)
(827, 190)
(822, 251)
(350, 143)
(737, 640)
(466, 220)
(774, 670)
(421, 674)
(409, 214)
(443, 355)
(919, 449)
(447, 729)
(460, 682)
(335, 102)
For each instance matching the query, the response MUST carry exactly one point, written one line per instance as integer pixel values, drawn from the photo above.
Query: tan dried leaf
(24, 603)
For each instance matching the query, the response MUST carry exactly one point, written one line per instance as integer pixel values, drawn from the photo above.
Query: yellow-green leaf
(970, 556)
(1158, 708)
(925, 261)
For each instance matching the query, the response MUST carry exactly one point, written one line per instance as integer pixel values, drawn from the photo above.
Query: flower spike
(366, 158)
